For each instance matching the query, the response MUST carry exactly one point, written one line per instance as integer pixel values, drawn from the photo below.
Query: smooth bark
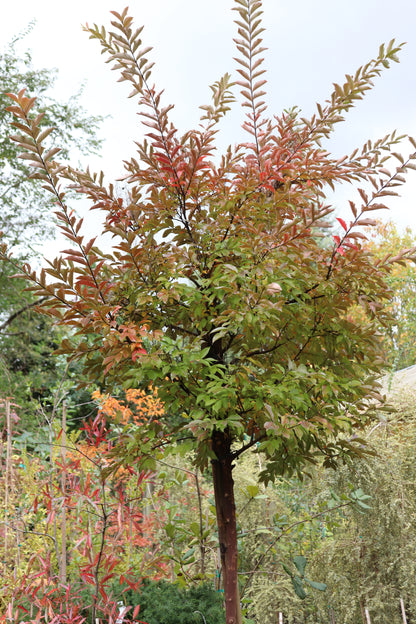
(226, 520)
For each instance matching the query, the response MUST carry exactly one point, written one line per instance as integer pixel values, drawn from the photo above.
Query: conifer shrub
(168, 603)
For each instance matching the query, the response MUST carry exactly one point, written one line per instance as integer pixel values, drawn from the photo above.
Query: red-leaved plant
(97, 536)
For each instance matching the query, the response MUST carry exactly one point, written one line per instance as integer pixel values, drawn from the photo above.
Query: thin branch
(13, 316)
(244, 448)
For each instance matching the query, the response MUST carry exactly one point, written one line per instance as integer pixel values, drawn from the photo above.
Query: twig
(13, 316)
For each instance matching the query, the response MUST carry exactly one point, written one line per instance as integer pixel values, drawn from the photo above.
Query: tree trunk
(226, 523)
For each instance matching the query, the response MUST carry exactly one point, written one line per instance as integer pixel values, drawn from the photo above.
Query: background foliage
(28, 373)
(400, 338)
(26, 208)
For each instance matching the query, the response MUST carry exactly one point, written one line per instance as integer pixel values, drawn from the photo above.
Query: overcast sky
(311, 44)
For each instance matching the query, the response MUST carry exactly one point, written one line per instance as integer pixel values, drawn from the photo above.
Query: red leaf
(137, 352)
(22, 609)
(344, 225)
(103, 594)
(86, 280)
(350, 245)
(131, 584)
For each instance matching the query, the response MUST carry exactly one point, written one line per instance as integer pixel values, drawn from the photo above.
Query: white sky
(312, 43)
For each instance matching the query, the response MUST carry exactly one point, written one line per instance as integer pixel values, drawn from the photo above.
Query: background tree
(400, 337)
(369, 556)
(27, 371)
(25, 207)
(218, 289)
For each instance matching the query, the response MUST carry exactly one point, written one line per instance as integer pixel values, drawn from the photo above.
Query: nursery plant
(230, 281)
(71, 539)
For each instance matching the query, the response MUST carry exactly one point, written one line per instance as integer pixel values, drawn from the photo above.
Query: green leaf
(170, 530)
(252, 490)
(300, 562)
(315, 585)
(195, 528)
(298, 587)
(189, 553)
(363, 505)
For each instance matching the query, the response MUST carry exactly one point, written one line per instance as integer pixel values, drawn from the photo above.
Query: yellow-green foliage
(22, 530)
(276, 523)
(369, 562)
(400, 338)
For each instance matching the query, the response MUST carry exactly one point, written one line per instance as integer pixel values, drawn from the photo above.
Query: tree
(369, 556)
(220, 290)
(25, 207)
(400, 339)
(27, 371)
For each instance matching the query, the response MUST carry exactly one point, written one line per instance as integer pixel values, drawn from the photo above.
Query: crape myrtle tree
(229, 285)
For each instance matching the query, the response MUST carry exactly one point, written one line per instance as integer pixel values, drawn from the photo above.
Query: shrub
(167, 603)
